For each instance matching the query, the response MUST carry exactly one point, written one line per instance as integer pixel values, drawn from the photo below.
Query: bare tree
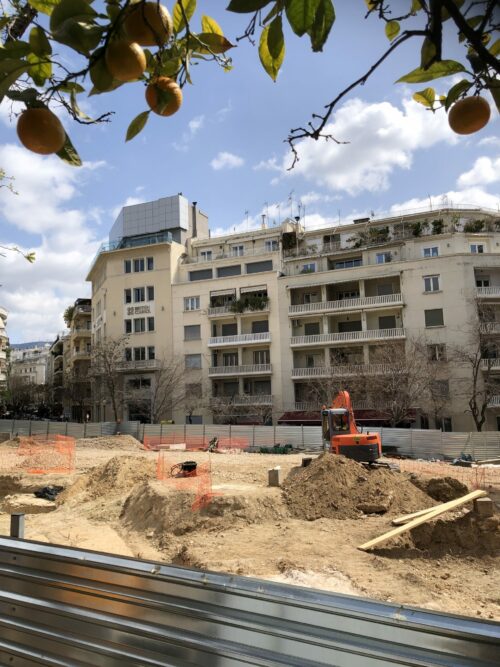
(106, 371)
(76, 386)
(164, 392)
(477, 358)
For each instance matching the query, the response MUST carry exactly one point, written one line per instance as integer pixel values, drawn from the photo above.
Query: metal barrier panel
(62, 606)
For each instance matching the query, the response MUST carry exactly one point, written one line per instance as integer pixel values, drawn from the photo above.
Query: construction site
(291, 517)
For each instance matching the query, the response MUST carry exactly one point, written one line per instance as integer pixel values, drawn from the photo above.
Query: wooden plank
(440, 509)
(400, 520)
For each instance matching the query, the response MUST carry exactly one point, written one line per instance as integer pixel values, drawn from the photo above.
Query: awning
(223, 292)
(258, 288)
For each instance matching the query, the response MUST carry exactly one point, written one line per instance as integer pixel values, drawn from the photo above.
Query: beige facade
(30, 363)
(256, 316)
(4, 342)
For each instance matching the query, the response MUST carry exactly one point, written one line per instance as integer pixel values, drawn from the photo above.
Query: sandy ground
(248, 531)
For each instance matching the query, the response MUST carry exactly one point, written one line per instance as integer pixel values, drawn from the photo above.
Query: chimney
(194, 231)
(263, 224)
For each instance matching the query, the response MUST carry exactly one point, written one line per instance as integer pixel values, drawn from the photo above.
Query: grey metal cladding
(62, 606)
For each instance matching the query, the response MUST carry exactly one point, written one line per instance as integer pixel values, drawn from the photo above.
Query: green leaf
(80, 36)
(100, 76)
(70, 9)
(473, 22)
(455, 92)
(276, 9)
(40, 68)
(137, 125)
(44, 6)
(39, 43)
(392, 30)
(425, 97)
(427, 53)
(28, 96)
(301, 14)
(209, 24)
(10, 71)
(178, 18)
(246, 6)
(272, 47)
(445, 15)
(76, 109)
(15, 49)
(495, 48)
(493, 86)
(214, 43)
(71, 87)
(323, 21)
(69, 154)
(435, 71)
(416, 6)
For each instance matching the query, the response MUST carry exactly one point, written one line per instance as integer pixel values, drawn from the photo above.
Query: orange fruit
(469, 115)
(126, 61)
(148, 24)
(41, 131)
(164, 96)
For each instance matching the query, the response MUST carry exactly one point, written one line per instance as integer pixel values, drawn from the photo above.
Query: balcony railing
(254, 252)
(142, 364)
(308, 406)
(243, 399)
(348, 337)
(340, 305)
(485, 292)
(340, 371)
(494, 402)
(217, 311)
(490, 364)
(249, 369)
(490, 328)
(81, 355)
(240, 339)
(82, 331)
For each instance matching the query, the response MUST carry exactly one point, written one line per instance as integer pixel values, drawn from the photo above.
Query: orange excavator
(341, 435)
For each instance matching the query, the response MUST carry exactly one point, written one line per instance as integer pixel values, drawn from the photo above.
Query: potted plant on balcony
(437, 226)
(474, 226)
(237, 306)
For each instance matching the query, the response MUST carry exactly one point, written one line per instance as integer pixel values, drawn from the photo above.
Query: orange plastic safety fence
(198, 483)
(476, 477)
(179, 441)
(41, 454)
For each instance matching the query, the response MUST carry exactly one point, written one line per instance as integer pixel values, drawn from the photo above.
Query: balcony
(243, 399)
(340, 371)
(221, 311)
(138, 365)
(240, 339)
(492, 365)
(85, 354)
(488, 293)
(249, 369)
(81, 331)
(342, 305)
(494, 402)
(348, 337)
(490, 328)
(308, 406)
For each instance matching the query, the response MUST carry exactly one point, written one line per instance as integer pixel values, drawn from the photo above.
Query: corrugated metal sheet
(61, 606)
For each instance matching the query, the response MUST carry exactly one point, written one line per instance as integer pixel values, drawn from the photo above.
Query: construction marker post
(17, 526)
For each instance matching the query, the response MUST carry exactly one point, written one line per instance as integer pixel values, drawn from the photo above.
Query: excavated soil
(441, 489)
(338, 488)
(114, 442)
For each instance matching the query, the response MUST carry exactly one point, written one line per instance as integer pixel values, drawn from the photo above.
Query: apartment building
(28, 361)
(4, 342)
(55, 372)
(76, 362)
(257, 316)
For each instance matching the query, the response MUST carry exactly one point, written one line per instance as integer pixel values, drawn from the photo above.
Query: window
(192, 303)
(259, 267)
(192, 332)
(150, 263)
(127, 266)
(128, 326)
(139, 383)
(482, 282)
(151, 352)
(441, 388)
(308, 268)
(312, 297)
(261, 326)
(138, 265)
(139, 353)
(139, 294)
(383, 257)
(348, 263)
(434, 317)
(230, 359)
(194, 419)
(151, 323)
(477, 248)
(311, 328)
(433, 251)
(128, 296)
(384, 288)
(204, 274)
(226, 271)
(206, 255)
(151, 293)
(261, 357)
(446, 424)
(431, 284)
(139, 325)
(349, 294)
(194, 390)
(387, 322)
(436, 352)
(227, 329)
(237, 250)
(193, 360)
(272, 245)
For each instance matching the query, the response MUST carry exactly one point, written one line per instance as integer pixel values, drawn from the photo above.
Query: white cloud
(382, 138)
(489, 141)
(222, 113)
(130, 201)
(473, 196)
(45, 208)
(225, 160)
(484, 171)
(194, 126)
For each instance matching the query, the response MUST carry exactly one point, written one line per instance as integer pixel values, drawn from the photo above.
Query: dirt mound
(153, 506)
(339, 488)
(115, 477)
(121, 442)
(442, 489)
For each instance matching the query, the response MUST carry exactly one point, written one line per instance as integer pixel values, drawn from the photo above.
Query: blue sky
(225, 150)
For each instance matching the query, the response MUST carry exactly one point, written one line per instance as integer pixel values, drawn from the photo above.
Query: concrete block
(484, 507)
(274, 476)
